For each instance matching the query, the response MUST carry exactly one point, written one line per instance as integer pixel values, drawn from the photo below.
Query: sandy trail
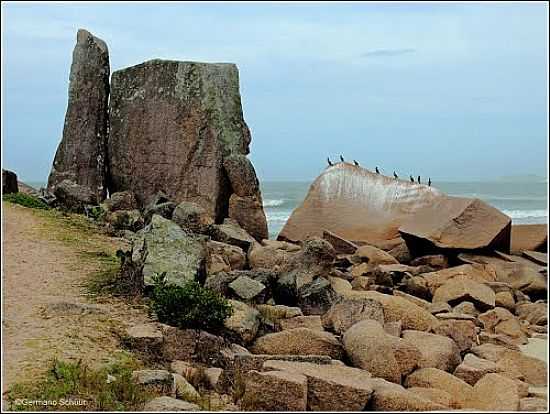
(46, 311)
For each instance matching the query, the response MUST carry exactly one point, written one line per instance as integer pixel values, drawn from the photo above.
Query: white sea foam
(523, 214)
(273, 203)
(277, 216)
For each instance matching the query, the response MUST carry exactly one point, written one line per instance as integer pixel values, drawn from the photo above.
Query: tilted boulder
(81, 154)
(164, 247)
(454, 223)
(9, 182)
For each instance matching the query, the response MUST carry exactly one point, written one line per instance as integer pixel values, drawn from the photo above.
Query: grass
(25, 200)
(73, 386)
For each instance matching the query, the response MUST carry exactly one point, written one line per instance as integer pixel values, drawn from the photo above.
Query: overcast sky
(451, 91)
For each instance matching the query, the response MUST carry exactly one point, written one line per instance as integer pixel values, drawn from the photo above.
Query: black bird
(418, 180)
(329, 163)
(429, 182)
(342, 158)
(412, 179)
(356, 163)
(395, 175)
(377, 171)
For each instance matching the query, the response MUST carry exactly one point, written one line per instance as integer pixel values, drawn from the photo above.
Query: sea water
(523, 202)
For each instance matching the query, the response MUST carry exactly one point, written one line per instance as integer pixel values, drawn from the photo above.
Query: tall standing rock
(80, 156)
(172, 124)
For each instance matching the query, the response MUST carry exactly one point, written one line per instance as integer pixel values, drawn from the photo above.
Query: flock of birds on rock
(378, 171)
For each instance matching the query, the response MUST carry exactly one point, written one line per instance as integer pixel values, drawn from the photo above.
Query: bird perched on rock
(329, 163)
(356, 163)
(418, 180)
(412, 179)
(395, 175)
(429, 182)
(377, 170)
(342, 158)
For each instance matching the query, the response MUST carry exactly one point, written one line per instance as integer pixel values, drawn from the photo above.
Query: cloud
(388, 52)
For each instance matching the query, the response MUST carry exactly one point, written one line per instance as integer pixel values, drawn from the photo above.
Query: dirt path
(47, 312)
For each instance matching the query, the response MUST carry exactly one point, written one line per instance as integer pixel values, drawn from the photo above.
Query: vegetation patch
(191, 306)
(25, 200)
(74, 386)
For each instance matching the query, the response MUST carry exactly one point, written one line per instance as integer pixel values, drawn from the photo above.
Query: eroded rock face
(172, 125)
(81, 154)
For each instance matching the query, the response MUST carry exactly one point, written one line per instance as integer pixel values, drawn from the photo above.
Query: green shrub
(25, 200)
(190, 306)
(95, 213)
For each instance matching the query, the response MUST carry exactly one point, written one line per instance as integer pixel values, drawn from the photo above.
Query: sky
(447, 90)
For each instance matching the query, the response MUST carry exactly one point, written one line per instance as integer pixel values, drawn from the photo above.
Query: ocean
(525, 202)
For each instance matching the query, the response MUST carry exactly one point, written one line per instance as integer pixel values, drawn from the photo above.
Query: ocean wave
(492, 197)
(277, 216)
(521, 214)
(273, 203)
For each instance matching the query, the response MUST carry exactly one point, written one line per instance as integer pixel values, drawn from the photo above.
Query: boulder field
(304, 336)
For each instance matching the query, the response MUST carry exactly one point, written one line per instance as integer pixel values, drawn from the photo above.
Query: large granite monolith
(172, 124)
(80, 156)
(359, 205)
